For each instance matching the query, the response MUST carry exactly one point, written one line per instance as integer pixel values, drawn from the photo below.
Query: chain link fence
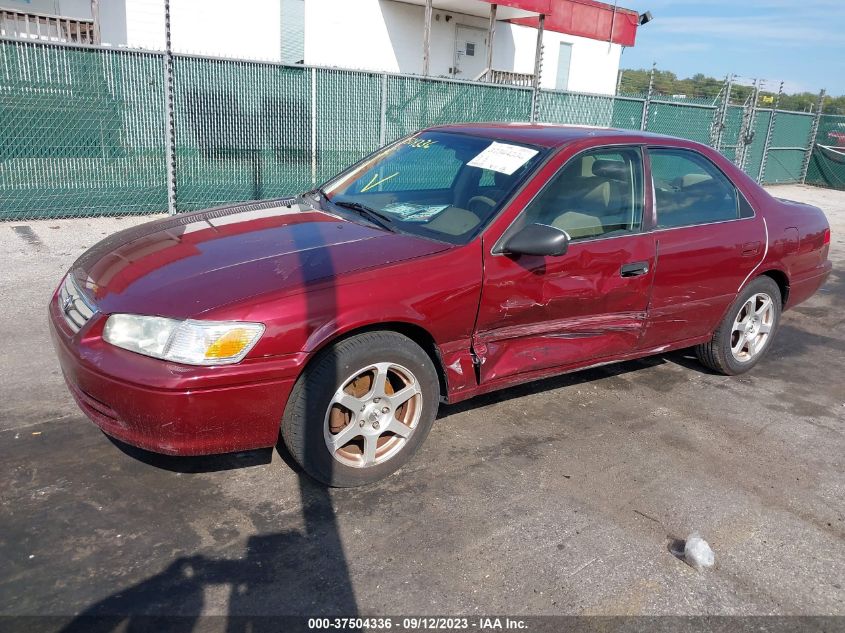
(83, 130)
(827, 163)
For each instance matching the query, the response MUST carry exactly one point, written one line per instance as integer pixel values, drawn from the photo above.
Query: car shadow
(288, 573)
(198, 463)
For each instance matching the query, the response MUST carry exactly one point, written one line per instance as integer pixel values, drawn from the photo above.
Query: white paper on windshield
(503, 158)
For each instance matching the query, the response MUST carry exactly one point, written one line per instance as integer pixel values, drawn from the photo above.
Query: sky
(800, 42)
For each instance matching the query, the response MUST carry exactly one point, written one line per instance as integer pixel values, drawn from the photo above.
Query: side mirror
(538, 239)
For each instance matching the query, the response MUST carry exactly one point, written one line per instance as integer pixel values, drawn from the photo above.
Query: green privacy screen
(827, 163)
(790, 139)
(242, 131)
(248, 130)
(83, 130)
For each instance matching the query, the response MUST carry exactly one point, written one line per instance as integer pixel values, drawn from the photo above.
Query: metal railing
(506, 77)
(51, 28)
(90, 131)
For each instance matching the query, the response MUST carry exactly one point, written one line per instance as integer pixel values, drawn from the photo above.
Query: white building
(582, 39)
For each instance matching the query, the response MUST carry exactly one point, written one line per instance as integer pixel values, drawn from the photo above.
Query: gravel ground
(559, 497)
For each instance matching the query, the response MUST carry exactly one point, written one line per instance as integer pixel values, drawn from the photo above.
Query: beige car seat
(454, 221)
(595, 204)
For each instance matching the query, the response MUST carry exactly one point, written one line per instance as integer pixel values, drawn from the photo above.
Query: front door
(470, 52)
(590, 304)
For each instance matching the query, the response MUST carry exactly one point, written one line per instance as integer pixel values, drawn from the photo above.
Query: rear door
(708, 242)
(538, 313)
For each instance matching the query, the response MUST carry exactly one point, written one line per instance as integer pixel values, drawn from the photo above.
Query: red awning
(588, 18)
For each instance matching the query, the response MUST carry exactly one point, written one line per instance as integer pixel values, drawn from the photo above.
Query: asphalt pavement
(564, 496)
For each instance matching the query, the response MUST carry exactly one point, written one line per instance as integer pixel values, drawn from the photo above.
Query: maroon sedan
(456, 261)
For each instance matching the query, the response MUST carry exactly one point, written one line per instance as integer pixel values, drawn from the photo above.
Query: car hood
(186, 265)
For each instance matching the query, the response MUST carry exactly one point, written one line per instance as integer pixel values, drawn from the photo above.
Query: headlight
(191, 342)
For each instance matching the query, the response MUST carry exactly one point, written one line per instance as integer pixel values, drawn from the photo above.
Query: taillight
(826, 236)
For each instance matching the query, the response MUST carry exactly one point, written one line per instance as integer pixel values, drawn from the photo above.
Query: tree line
(701, 87)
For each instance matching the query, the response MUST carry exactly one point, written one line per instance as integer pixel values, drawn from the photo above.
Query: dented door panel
(699, 272)
(541, 312)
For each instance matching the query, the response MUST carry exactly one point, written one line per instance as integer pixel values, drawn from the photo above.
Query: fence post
(538, 69)
(722, 114)
(746, 132)
(314, 127)
(812, 141)
(647, 102)
(170, 123)
(383, 117)
(769, 131)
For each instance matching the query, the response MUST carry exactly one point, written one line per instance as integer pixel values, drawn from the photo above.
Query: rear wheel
(361, 409)
(746, 332)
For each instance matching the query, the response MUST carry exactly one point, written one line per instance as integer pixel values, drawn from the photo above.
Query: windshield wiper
(376, 217)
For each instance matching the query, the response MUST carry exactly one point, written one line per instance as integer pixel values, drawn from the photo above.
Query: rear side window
(596, 194)
(689, 189)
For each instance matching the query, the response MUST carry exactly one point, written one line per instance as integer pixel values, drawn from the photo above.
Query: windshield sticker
(418, 143)
(409, 212)
(375, 181)
(503, 158)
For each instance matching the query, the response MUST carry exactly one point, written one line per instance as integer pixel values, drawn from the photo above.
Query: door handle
(750, 248)
(634, 269)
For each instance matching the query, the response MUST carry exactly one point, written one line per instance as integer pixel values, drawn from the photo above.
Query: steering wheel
(484, 199)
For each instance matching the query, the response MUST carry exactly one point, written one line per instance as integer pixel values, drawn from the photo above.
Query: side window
(596, 194)
(689, 189)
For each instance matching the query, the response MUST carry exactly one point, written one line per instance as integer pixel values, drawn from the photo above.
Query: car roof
(550, 134)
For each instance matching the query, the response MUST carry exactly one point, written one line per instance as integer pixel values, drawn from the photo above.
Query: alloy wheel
(752, 327)
(372, 415)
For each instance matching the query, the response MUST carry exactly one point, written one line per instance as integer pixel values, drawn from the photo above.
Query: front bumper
(170, 408)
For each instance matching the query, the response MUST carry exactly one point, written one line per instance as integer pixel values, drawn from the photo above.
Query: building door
(470, 52)
(564, 58)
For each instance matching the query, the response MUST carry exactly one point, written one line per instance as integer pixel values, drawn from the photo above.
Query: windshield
(442, 185)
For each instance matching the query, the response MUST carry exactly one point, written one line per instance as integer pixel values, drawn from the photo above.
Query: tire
(338, 397)
(719, 354)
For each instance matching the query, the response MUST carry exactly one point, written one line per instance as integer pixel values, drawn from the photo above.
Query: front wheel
(361, 409)
(746, 332)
